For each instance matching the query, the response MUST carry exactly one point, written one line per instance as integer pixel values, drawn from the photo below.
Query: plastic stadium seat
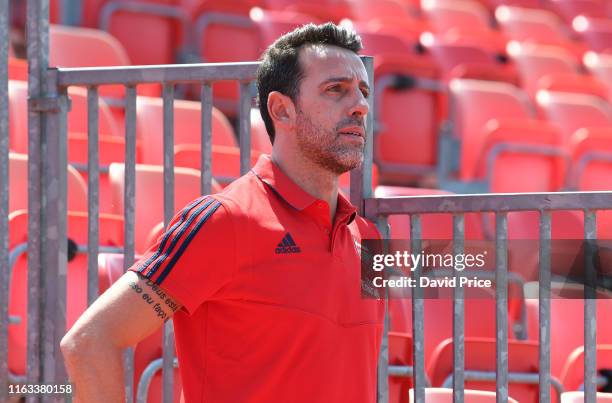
(18, 185)
(86, 47)
(578, 397)
(569, 9)
(187, 127)
(480, 355)
(149, 181)
(403, 155)
(408, 29)
(567, 327)
(572, 376)
(591, 153)
(161, 22)
(446, 15)
(225, 161)
(572, 82)
(493, 4)
(536, 25)
(111, 142)
(573, 111)
(110, 233)
(77, 116)
(445, 395)
(218, 23)
(535, 62)
(323, 10)
(596, 32)
(591, 156)
(273, 23)
(260, 141)
(600, 66)
(477, 102)
(17, 69)
(458, 60)
(522, 156)
(381, 44)
(365, 10)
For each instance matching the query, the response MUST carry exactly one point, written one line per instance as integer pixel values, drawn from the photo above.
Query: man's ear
(281, 109)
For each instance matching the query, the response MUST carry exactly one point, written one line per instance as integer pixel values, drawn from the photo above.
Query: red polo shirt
(271, 295)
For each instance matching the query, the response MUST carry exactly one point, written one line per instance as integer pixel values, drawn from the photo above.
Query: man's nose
(360, 106)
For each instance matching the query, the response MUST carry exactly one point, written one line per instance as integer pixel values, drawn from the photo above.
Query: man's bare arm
(130, 310)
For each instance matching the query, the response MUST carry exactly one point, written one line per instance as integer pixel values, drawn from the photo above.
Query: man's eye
(334, 88)
(365, 93)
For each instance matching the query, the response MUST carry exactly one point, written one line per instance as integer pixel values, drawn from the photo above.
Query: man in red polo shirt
(262, 280)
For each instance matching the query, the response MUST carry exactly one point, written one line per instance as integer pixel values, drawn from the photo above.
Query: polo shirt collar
(269, 173)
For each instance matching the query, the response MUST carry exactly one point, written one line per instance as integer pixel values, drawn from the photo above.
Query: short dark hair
(280, 68)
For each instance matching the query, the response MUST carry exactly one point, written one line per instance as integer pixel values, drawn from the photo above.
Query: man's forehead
(331, 61)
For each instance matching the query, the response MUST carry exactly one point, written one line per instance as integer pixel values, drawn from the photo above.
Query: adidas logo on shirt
(287, 245)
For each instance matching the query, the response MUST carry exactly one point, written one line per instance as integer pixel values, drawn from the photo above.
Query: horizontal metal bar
(528, 378)
(501, 202)
(172, 73)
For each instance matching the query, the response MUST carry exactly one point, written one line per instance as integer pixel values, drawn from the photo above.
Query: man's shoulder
(238, 195)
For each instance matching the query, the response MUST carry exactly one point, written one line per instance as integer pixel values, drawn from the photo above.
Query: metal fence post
(37, 32)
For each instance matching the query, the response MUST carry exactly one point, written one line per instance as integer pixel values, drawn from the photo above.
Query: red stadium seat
(458, 60)
(578, 397)
(446, 15)
(77, 116)
(567, 326)
(535, 62)
(18, 185)
(163, 23)
(149, 181)
(445, 395)
(573, 111)
(111, 143)
(569, 9)
(596, 32)
(260, 140)
(110, 233)
(366, 10)
(187, 127)
(218, 23)
(225, 160)
(476, 103)
(405, 155)
(480, 355)
(382, 44)
(522, 156)
(572, 376)
(576, 83)
(323, 10)
(17, 69)
(273, 23)
(591, 154)
(86, 47)
(536, 25)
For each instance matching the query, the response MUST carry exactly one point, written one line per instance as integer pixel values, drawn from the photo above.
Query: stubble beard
(325, 148)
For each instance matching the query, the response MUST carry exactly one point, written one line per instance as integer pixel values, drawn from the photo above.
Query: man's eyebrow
(345, 80)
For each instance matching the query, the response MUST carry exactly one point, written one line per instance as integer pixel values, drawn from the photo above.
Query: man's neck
(312, 178)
